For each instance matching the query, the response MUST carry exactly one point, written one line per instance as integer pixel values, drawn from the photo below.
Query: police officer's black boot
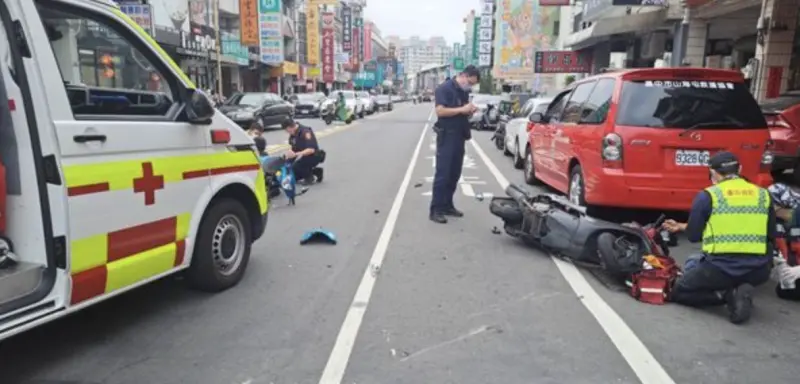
(438, 217)
(739, 302)
(317, 172)
(453, 212)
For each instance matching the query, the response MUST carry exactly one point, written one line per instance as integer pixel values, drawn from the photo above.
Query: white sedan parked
(517, 130)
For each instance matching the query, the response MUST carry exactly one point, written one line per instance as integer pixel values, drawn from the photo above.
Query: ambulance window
(106, 69)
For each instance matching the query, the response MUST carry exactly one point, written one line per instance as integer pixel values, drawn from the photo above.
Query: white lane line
(342, 349)
(635, 353)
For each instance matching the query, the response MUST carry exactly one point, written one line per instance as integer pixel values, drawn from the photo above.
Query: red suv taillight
(611, 151)
(529, 127)
(777, 121)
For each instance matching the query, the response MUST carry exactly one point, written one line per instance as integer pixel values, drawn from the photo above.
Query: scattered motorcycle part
(496, 231)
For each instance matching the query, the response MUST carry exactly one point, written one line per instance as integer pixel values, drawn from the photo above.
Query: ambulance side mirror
(199, 109)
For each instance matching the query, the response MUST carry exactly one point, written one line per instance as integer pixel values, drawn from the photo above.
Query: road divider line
(343, 348)
(632, 349)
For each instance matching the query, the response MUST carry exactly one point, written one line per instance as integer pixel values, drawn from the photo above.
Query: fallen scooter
(632, 254)
(280, 177)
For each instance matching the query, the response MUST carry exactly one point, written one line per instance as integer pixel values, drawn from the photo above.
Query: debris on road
(496, 231)
(318, 235)
(377, 212)
(417, 185)
(479, 196)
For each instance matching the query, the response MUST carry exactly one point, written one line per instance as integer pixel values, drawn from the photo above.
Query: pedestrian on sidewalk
(452, 128)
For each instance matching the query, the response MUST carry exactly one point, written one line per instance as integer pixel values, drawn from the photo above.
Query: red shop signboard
(328, 72)
(356, 47)
(561, 62)
(554, 3)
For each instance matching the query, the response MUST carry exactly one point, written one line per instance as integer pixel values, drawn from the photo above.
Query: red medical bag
(652, 286)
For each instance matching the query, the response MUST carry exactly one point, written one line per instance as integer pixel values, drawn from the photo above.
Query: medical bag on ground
(653, 283)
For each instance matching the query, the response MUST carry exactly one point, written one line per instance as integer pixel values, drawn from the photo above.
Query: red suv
(642, 138)
(783, 118)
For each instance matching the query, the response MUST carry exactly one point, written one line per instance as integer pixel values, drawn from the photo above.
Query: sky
(423, 18)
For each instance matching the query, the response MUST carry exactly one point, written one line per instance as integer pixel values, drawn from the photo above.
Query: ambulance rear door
(33, 288)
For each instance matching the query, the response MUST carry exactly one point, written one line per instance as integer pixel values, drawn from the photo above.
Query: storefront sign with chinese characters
(554, 3)
(141, 14)
(270, 32)
(312, 35)
(561, 62)
(347, 28)
(248, 19)
(486, 34)
(328, 31)
(360, 29)
(356, 47)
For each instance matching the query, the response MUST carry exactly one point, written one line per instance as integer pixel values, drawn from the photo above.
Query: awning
(616, 21)
(719, 8)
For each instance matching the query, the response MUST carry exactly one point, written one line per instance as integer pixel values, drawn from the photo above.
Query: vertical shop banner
(201, 21)
(312, 35)
(523, 28)
(248, 20)
(367, 42)
(354, 49)
(486, 34)
(361, 39)
(140, 13)
(476, 26)
(347, 28)
(328, 31)
(170, 21)
(232, 46)
(270, 32)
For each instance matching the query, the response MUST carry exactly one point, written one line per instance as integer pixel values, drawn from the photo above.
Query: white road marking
(635, 353)
(343, 348)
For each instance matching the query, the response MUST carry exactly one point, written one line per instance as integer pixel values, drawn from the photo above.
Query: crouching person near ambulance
(735, 221)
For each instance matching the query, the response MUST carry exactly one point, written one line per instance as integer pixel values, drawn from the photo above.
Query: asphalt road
(401, 299)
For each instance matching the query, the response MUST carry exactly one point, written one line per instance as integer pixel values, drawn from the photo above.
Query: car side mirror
(537, 117)
(199, 109)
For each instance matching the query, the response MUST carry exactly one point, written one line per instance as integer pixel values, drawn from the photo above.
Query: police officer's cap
(287, 122)
(724, 162)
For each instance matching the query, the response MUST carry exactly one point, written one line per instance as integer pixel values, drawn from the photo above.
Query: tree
(487, 83)
(569, 80)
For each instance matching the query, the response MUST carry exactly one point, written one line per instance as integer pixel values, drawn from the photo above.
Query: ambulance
(118, 171)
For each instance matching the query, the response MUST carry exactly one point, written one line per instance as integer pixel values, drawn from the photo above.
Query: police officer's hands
(469, 109)
(673, 226)
(290, 154)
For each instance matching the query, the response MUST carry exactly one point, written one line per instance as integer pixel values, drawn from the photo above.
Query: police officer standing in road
(735, 221)
(452, 131)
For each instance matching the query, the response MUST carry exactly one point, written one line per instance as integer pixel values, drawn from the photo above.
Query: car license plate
(692, 158)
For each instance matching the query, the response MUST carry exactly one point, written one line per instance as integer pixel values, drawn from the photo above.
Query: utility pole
(218, 47)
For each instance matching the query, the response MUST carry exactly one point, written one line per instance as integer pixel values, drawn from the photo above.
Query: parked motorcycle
(551, 222)
(329, 113)
(499, 136)
(489, 119)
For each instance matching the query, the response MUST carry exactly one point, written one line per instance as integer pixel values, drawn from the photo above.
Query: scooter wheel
(609, 255)
(328, 121)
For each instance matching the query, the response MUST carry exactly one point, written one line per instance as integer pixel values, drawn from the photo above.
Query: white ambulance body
(118, 171)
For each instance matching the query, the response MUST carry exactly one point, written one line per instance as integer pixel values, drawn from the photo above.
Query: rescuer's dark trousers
(703, 284)
(450, 148)
(303, 168)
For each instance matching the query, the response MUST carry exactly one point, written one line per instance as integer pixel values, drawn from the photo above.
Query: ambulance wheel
(328, 120)
(222, 250)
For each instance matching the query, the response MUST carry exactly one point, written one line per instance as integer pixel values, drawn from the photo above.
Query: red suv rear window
(689, 104)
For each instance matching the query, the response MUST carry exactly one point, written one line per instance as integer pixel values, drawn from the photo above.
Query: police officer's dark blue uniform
(452, 131)
(303, 142)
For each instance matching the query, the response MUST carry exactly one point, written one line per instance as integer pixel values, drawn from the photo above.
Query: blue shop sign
(232, 46)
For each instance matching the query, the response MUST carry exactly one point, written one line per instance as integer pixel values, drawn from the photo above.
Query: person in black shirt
(303, 143)
(452, 131)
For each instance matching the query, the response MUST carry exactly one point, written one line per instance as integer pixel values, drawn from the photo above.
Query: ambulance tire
(205, 273)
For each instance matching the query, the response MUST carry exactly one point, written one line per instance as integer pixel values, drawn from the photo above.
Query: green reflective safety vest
(739, 217)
